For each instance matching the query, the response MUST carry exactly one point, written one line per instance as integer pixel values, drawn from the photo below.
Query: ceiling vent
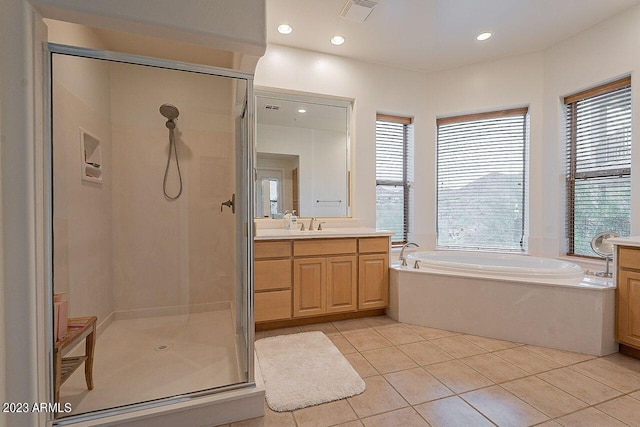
(272, 107)
(358, 10)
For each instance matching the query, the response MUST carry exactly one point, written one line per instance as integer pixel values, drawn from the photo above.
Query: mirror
(603, 248)
(302, 146)
(600, 246)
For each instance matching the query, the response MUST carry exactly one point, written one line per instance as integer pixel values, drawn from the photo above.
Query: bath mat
(305, 369)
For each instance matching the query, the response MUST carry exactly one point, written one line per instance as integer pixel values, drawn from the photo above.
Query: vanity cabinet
(324, 285)
(373, 276)
(373, 281)
(628, 300)
(342, 284)
(309, 289)
(272, 281)
(324, 281)
(320, 278)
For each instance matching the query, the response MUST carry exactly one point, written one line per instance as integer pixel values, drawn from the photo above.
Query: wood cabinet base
(628, 300)
(276, 324)
(630, 351)
(303, 281)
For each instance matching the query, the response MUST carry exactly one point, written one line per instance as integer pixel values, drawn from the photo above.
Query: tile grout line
(499, 384)
(461, 359)
(455, 394)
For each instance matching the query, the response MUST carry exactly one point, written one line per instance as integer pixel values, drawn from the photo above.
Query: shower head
(169, 111)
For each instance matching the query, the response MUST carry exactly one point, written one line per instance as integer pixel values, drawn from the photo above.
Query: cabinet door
(628, 331)
(309, 283)
(373, 281)
(342, 291)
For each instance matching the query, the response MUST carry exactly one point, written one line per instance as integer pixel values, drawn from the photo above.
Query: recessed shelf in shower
(91, 157)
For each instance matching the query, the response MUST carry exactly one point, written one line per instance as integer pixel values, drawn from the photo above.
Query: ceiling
(430, 35)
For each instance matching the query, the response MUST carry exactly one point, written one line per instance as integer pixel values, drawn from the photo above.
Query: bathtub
(531, 300)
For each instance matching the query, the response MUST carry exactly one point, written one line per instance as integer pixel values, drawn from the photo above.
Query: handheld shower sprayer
(170, 112)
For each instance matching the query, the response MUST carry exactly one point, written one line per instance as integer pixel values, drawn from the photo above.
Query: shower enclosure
(150, 190)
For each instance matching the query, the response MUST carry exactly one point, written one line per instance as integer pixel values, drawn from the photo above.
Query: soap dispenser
(293, 221)
(287, 220)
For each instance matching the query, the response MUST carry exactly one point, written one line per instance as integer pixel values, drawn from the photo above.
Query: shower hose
(172, 147)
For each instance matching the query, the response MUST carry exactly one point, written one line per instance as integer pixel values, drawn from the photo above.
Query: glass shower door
(150, 191)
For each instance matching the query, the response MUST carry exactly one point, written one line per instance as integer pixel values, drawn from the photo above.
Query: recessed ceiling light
(337, 40)
(285, 29)
(302, 110)
(483, 36)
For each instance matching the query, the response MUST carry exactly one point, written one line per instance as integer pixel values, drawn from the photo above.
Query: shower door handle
(231, 203)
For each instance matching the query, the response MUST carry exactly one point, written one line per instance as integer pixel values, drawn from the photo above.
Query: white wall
(233, 25)
(375, 88)
(25, 370)
(22, 124)
(602, 53)
(135, 44)
(82, 220)
(510, 82)
(539, 80)
(172, 253)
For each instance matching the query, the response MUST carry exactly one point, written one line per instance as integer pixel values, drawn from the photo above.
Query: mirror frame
(598, 240)
(313, 98)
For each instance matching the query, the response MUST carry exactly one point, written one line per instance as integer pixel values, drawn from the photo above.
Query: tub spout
(405, 246)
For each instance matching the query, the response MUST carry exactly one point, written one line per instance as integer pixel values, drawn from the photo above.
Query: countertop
(277, 233)
(626, 241)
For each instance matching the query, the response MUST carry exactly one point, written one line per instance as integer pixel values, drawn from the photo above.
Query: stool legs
(90, 345)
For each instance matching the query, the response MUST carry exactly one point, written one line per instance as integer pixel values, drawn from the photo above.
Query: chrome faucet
(311, 224)
(405, 246)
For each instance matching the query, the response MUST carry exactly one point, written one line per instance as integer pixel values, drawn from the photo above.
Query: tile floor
(201, 354)
(419, 376)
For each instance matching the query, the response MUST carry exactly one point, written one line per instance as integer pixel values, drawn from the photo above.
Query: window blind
(481, 176)
(598, 164)
(394, 175)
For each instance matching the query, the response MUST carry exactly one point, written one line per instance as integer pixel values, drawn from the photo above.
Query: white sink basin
(266, 233)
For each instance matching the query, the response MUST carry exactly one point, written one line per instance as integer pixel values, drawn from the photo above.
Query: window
(481, 176)
(598, 164)
(394, 146)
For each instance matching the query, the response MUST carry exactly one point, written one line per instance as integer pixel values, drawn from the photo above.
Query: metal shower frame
(54, 48)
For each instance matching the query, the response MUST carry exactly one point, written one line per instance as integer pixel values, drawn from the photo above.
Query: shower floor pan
(138, 360)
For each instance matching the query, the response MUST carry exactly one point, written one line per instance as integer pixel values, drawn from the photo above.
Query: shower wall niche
(164, 277)
(91, 157)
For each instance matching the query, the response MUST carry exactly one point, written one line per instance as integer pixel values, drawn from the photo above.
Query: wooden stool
(78, 328)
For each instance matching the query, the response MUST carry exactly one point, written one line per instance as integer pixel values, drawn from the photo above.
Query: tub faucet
(405, 246)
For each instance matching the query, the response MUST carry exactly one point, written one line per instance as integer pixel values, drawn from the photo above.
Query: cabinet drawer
(373, 244)
(274, 305)
(629, 258)
(272, 249)
(272, 274)
(324, 247)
